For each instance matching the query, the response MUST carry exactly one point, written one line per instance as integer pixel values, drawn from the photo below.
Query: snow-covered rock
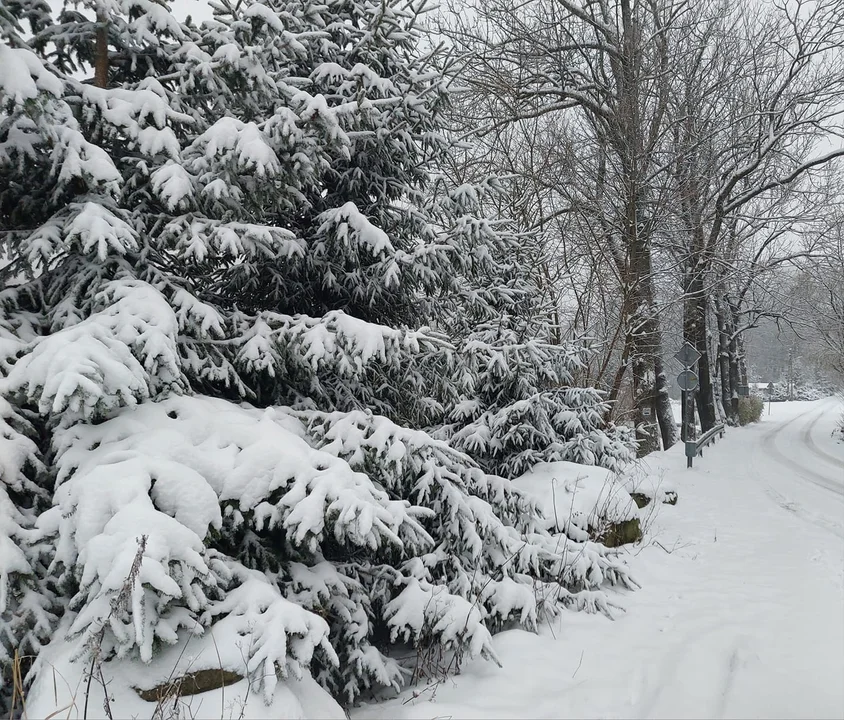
(646, 485)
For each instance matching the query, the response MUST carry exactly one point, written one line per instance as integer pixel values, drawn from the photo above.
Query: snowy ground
(741, 612)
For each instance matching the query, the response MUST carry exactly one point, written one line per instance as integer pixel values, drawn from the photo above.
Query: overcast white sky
(181, 8)
(198, 9)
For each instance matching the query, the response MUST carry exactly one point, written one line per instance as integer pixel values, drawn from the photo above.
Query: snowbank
(62, 686)
(583, 496)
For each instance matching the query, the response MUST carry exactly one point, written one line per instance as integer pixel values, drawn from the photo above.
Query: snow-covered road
(741, 613)
(796, 463)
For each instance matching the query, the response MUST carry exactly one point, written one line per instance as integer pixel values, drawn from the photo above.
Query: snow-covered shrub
(647, 487)
(514, 401)
(208, 484)
(302, 534)
(750, 409)
(487, 554)
(521, 409)
(809, 392)
(798, 391)
(581, 501)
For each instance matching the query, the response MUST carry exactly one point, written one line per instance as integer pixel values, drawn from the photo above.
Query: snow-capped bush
(798, 391)
(303, 533)
(750, 409)
(577, 499)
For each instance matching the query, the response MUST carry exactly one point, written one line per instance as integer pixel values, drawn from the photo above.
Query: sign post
(688, 382)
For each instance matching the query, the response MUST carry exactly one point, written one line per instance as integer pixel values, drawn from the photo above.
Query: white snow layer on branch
(422, 608)
(117, 357)
(486, 530)
(162, 470)
(336, 340)
(23, 76)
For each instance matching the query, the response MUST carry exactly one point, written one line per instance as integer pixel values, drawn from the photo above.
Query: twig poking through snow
(578, 664)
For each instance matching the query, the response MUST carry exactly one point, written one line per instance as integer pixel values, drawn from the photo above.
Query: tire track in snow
(810, 443)
(794, 508)
(769, 441)
(705, 659)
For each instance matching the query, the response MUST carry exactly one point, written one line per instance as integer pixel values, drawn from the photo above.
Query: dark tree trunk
(724, 331)
(742, 361)
(695, 333)
(704, 397)
(101, 52)
(643, 336)
(612, 398)
(734, 362)
(642, 351)
(629, 137)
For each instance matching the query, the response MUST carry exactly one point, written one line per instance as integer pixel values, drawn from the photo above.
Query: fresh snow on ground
(61, 692)
(740, 614)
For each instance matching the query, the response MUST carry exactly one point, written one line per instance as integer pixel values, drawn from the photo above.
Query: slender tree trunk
(644, 395)
(735, 380)
(612, 398)
(724, 362)
(101, 52)
(704, 396)
(742, 361)
(695, 332)
(695, 329)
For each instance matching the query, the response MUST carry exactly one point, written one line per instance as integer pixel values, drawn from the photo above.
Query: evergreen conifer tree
(513, 401)
(247, 211)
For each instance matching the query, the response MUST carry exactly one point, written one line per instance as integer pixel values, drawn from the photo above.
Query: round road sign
(687, 380)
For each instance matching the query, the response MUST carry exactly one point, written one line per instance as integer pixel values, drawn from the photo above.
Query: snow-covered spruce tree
(352, 117)
(516, 403)
(198, 221)
(96, 313)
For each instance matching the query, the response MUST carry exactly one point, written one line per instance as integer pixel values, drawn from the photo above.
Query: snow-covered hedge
(799, 392)
(750, 409)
